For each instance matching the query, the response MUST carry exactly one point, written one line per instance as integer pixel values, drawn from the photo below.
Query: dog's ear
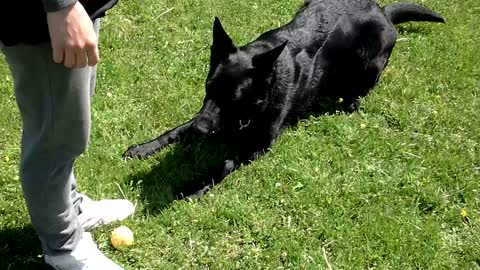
(265, 61)
(222, 44)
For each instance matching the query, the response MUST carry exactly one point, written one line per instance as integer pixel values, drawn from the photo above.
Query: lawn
(383, 188)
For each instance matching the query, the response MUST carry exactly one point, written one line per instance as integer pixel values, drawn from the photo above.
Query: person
(53, 84)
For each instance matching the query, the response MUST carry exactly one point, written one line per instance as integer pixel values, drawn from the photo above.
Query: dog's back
(328, 41)
(315, 20)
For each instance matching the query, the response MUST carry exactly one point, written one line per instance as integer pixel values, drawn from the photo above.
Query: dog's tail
(406, 12)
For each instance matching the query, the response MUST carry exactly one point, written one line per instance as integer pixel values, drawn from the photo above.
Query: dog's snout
(203, 126)
(207, 121)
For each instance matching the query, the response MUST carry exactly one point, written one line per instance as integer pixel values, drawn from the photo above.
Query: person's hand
(73, 37)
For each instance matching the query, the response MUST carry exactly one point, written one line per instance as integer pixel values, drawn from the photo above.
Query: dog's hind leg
(353, 57)
(151, 147)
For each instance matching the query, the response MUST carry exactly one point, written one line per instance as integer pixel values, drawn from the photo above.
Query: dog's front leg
(219, 173)
(250, 148)
(247, 155)
(151, 147)
(216, 175)
(351, 104)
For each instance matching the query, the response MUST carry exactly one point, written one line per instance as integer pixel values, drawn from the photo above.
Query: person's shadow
(20, 249)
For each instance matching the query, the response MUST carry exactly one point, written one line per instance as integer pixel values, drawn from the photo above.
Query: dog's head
(237, 85)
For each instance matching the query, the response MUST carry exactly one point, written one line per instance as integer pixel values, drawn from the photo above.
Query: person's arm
(74, 41)
(56, 5)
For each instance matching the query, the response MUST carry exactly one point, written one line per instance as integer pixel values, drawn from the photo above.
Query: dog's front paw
(138, 151)
(351, 106)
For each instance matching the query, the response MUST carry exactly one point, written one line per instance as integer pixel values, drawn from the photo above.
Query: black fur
(331, 50)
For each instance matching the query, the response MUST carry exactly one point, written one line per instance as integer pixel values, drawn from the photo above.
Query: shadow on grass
(182, 170)
(20, 249)
(412, 28)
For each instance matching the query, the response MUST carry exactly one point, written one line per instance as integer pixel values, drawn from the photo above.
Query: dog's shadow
(411, 28)
(20, 249)
(181, 171)
(184, 170)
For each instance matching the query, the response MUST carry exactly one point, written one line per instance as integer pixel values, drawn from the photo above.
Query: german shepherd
(332, 50)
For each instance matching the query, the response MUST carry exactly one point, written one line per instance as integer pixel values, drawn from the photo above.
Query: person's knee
(75, 144)
(56, 146)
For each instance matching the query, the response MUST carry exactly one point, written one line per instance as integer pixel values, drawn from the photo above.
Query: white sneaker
(98, 213)
(85, 256)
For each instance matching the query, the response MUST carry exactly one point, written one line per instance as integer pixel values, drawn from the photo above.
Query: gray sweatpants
(54, 104)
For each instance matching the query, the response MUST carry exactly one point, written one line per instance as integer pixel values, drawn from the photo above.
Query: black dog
(331, 50)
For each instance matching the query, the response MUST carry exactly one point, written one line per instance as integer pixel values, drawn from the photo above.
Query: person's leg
(93, 214)
(54, 103)
(75, 195)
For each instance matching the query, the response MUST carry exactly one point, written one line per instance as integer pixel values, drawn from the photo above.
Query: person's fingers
(58, 54)
(69, 60)
(74, 31)
(81, 59)
(93, 55)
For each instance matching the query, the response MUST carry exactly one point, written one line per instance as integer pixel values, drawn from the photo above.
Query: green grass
(378, 189)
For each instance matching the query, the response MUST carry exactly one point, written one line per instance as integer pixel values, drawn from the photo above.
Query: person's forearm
(56, 5)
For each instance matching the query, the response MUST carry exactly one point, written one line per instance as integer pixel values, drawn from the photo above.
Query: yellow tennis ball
(121, 238)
